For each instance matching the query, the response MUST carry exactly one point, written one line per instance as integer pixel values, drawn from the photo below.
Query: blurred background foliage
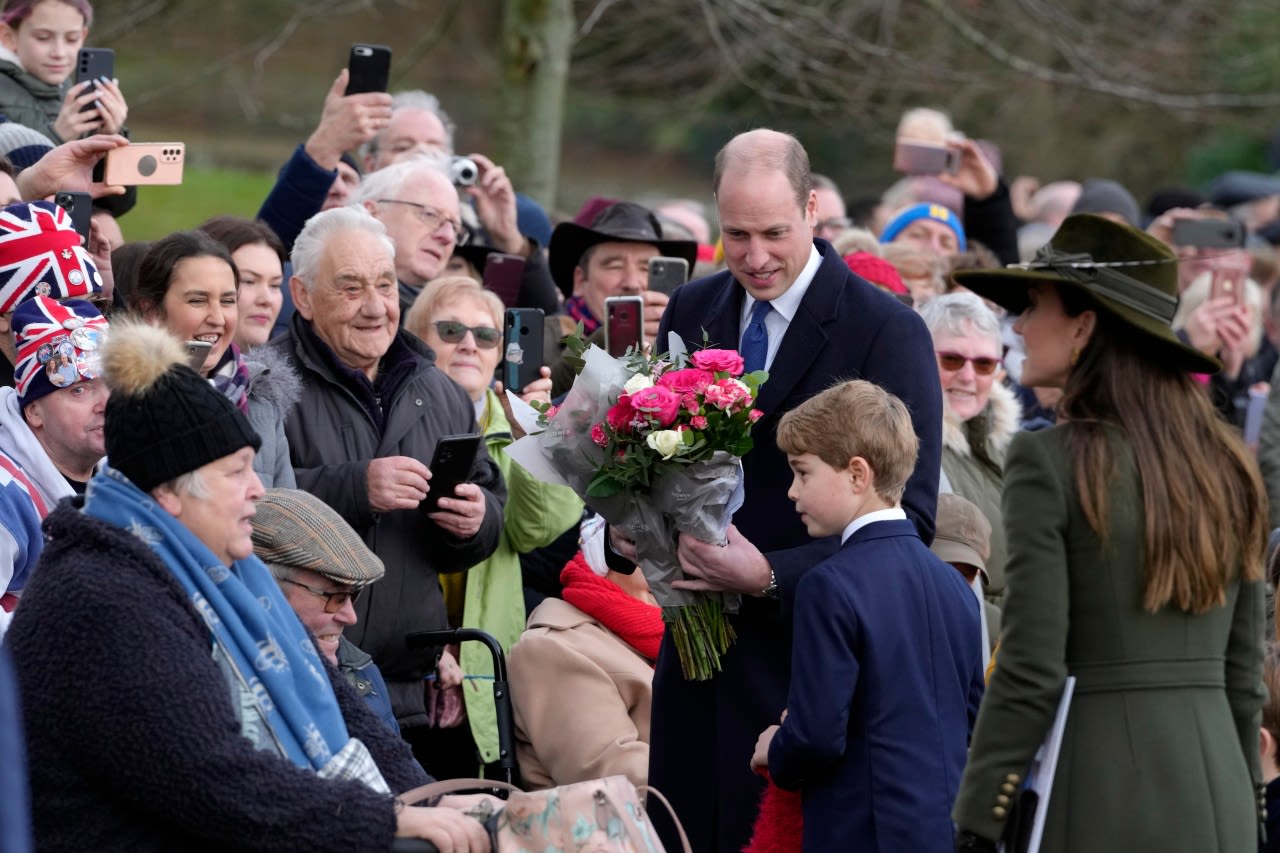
(1148, 92)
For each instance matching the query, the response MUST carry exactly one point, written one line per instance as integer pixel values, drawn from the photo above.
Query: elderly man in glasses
(321, 564)
(373, 406)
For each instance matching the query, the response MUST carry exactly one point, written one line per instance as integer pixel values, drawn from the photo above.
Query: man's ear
(579, 279)
(33, 414)
(301, 298)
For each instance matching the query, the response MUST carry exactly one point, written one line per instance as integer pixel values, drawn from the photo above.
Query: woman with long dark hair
(1136, 531)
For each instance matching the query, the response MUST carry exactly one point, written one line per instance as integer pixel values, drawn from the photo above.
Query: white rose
(665, 441)
(639, 382)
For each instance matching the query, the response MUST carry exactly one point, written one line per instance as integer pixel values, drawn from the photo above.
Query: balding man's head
(767, 150)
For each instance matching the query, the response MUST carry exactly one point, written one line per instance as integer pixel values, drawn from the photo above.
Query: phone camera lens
(147, 165)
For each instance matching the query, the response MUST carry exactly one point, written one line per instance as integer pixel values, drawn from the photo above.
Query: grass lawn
(205, 192)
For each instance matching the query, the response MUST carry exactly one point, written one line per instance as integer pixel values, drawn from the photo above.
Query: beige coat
(581, 699)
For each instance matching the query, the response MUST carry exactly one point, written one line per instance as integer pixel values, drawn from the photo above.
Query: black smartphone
(1209, 233)
(369, 68)
(79, 206)
(93, 63)
(666, 274)
(922, 158)
(450, 467)
(504, 274)
(522, 336)
(624, 324)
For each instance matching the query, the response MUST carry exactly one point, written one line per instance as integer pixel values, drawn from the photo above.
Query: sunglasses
(333, 601)
(452, 332)
(982, 365)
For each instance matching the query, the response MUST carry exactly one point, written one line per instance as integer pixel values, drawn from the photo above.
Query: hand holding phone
(450, 467)
(140, 163)
(369, 68)
(94, 64)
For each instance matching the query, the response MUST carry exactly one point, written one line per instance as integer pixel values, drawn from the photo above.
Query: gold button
(1013, 777)
(1000, 812)
(1008, 787)
(1002, 800)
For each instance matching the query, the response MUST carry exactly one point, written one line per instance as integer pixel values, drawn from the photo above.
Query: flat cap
(296, 529)
(1240, 187)
(963, 533)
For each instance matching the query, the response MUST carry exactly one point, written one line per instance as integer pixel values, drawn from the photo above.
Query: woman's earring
(1075, 356)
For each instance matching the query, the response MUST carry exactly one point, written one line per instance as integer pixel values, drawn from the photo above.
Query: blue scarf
(249, 617)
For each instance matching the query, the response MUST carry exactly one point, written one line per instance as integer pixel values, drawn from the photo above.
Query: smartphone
(450, 467)
(666, 274)
(923, 158)
(197, 352)
(1227, 284)
(624, 324)
(1209, 233)
(93, 63)
(504, 274)
(522, 336)
(79, 206)
(141, 163)
(368, 68)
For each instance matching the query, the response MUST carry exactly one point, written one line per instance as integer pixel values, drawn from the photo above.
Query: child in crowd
(39, 44)
(886, 668)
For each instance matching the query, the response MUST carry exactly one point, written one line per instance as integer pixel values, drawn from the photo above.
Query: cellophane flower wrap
(655, 445)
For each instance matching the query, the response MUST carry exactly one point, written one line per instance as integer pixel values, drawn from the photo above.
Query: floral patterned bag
(597, 816)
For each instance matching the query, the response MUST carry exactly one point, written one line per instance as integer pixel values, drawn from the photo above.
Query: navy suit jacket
(886, 677)
(703, 733)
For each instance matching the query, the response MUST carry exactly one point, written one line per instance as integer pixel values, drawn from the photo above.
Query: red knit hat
(876, 270)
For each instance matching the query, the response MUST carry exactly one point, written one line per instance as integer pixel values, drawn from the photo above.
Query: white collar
(789, 302)
(891, 514)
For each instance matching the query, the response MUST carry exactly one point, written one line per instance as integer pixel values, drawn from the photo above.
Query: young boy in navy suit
(886, 666)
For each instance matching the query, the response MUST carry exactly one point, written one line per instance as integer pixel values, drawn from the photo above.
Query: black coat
(333, 435)
(703, 733)
(132, 738)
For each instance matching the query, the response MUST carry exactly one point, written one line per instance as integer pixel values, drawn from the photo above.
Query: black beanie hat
(163, 419)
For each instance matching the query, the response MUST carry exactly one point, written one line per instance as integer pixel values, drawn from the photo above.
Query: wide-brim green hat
(1128, 273)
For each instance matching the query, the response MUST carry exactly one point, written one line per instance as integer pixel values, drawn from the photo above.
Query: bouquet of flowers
(654, 444)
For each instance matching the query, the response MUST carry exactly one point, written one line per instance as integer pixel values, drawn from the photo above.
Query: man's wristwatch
(771, 591)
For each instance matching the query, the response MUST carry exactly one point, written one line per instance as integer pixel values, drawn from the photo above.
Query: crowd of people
(1012, 434)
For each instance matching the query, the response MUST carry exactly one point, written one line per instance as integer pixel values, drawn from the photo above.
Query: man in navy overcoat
(822, 324)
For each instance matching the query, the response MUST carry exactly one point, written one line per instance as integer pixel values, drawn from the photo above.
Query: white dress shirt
(894, 513)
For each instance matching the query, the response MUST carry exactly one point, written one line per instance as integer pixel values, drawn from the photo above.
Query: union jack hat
(41, 255)
(57, 344)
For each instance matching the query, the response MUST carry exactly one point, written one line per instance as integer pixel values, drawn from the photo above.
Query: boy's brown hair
(855, 418)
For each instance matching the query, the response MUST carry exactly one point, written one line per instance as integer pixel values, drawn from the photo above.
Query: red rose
(598, 435)
(658, 402)
(719, 361)
(620, 414)
(688, 381)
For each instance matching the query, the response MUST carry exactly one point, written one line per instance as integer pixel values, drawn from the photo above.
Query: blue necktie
(755, 340)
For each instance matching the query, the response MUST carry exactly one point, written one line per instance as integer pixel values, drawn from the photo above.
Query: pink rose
(755, 415)
(698, 422)
(691, 403)
(551, 412)
(658, 402)
(719, 396)
(687, 381)
(719, 361)
(598, 435)
(620, 414)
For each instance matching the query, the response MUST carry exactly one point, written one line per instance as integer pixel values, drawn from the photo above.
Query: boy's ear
(861, 474)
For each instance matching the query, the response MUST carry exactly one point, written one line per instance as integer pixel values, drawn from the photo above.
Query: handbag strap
(451, 786)
(645, 790)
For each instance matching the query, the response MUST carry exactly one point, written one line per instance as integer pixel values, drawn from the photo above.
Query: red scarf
(779, 826)
(636, 623)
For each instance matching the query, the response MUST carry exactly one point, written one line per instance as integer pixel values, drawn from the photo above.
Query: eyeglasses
(434, 219)
(982, 365)
(835, 223)
(452, 332)
(333, 601)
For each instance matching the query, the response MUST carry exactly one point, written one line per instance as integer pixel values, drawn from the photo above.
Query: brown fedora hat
(623, 222)
(1127, 272)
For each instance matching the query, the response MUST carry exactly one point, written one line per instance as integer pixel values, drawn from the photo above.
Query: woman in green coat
(1136, 530)
(462, 323)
